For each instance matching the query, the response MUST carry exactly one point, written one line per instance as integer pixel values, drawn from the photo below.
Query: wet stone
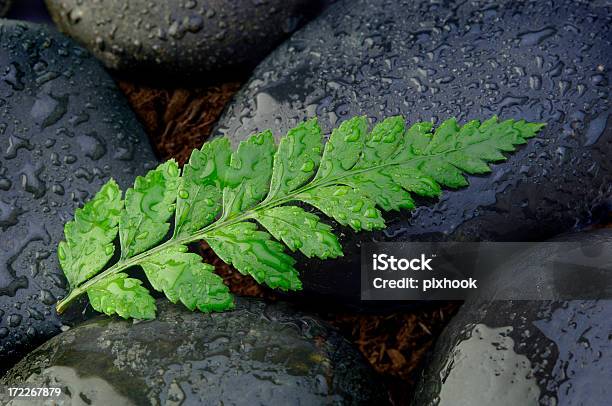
(64, 131)
(470, 60)
(181, 37)
(524, 351)
(258, 354)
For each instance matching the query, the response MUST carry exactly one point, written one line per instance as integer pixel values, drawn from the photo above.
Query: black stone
(181, 36)
(64, 131)
(258, 354)
(511, 352)
(431, 61)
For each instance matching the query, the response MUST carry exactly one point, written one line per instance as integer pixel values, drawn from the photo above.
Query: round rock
(64, 131)
(258, 354)
(469, 60)
(509, 352)
(181, 36)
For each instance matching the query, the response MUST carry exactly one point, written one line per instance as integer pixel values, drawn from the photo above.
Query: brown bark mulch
(178, 120)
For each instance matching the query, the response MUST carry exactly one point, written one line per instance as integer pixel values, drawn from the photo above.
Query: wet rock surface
(258, 354)
(64, 131)
(430, 61)
(177, 36)
(524, 351)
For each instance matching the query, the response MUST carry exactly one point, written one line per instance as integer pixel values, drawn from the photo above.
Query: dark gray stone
(429, 61)
(181, 36)
(258, 354)
(64, 130)
(524, 351)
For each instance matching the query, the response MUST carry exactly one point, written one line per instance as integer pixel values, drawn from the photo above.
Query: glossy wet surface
(64, 131)
(268, 354)
(470, 60)
(524, 352)
(179, 38)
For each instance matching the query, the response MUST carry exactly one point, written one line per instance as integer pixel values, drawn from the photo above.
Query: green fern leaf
(201, 187)
(182, 276)
(346, 206)
(253, 252)
(148, 205)
(300, 230)
(89, 237)
(297, 159)
(118, 294)
(249, 176)
(343, 149)
(223, 197)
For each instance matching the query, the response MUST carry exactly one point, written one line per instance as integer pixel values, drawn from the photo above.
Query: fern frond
(247, 205)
